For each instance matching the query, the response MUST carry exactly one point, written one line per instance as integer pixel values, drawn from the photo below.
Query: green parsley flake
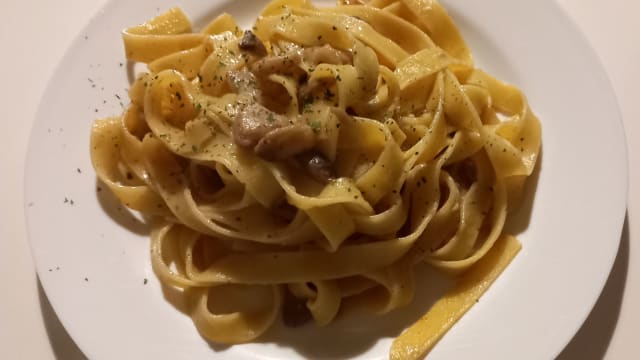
(315, 125)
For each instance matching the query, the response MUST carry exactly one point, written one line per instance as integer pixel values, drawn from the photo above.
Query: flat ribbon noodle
(420, 159)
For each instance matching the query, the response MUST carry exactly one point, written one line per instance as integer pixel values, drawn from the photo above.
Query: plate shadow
(592, 341)
(64, 348)
(119, 213)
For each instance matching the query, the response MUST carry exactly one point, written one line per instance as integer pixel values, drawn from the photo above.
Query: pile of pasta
(429, 155)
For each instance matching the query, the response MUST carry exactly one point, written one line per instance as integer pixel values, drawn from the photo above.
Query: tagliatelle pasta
(318, 158)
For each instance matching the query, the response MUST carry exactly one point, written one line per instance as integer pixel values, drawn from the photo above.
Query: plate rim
(603, 74)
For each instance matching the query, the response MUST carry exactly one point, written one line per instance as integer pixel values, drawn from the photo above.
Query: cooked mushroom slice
(271, 136)
(250, 42)
(287, 65)
(286, 142)
(253, 122)
(319, 167)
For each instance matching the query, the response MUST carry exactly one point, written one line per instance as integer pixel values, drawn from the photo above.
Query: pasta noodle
(317, 158)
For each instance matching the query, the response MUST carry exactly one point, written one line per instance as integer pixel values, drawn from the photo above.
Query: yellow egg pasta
(320, 156)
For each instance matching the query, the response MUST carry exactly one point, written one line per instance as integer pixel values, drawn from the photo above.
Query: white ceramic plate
(92, 256)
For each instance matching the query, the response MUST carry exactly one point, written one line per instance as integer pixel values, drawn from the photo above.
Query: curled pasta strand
(403, 154)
